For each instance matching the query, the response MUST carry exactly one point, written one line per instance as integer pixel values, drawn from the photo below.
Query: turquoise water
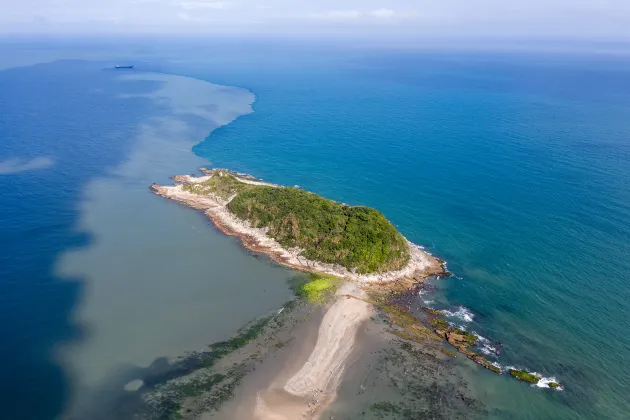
(514, 168)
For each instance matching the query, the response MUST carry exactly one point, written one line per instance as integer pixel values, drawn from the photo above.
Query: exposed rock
(525, 376)
(180, 178)
(460, 338)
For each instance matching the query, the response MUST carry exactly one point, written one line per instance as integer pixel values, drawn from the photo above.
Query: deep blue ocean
(514, 168)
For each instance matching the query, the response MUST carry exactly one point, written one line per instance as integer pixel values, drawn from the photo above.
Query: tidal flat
(247, 376)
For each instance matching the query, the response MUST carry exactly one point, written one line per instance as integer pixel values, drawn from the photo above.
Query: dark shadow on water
(69, 111)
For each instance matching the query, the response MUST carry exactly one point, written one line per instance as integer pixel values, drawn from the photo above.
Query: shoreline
(421, 264)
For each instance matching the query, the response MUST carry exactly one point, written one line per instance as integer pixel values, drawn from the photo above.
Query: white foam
(498, 366)
(543, 382)
(462, 313)
(485, 345)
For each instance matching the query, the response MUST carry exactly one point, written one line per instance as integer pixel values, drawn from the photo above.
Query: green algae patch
(525, 376)
(318, 289)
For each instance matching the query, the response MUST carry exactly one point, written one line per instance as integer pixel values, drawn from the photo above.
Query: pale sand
(420, 262)
(313, 387)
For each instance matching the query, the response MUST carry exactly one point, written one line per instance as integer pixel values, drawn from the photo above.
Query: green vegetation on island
(222, 184)
(525, 376)
(318, 289)
(360, 239)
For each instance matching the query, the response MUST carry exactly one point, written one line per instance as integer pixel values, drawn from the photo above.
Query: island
(360, 266)
(302, 230)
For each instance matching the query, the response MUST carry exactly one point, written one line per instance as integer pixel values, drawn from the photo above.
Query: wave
(543, 382)
(487, 346)
(461, 313)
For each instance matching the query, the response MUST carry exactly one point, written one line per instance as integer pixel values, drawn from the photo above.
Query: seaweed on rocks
(525, 376)
(409, 327)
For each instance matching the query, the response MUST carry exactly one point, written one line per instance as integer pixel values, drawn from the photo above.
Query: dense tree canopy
(358, 238)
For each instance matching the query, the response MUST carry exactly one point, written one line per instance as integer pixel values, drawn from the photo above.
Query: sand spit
(314, 386)
(420, 263)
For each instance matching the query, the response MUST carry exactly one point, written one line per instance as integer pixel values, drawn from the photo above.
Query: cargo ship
(123, 67)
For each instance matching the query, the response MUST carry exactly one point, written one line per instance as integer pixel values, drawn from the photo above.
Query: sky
(603, 19)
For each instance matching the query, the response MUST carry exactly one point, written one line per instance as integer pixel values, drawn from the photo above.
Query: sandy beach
(302, 381)
(316, 381)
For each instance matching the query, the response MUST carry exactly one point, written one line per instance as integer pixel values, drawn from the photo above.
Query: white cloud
(16, 165)
(602, 19)
(339, 15)
(215, 5)
(189, 18)
(366, 16)
(383, 13)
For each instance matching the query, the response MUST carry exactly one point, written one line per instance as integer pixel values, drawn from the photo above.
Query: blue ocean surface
(62, 113)
(514, 168)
